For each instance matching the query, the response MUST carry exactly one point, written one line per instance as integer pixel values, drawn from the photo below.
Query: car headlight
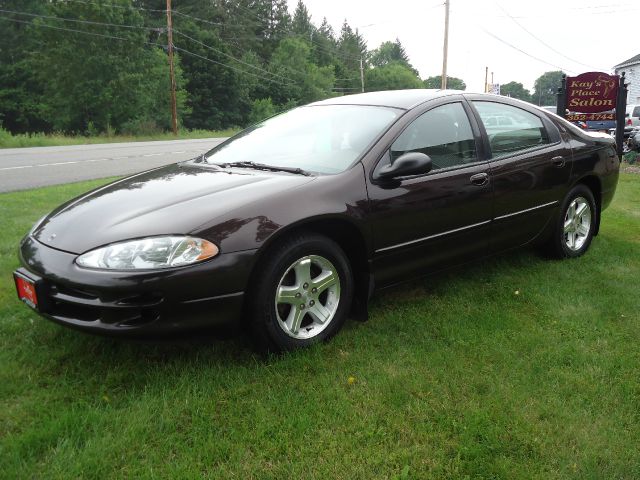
(149, 253)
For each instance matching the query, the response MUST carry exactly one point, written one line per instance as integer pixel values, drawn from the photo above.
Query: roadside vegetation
(7, 140)
(513, 367)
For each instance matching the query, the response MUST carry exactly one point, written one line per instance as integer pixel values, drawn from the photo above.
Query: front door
(423, 222)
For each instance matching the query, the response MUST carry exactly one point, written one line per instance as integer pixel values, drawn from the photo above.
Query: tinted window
(443, 133)
(517, 129)
(636, 112)
(324, 139)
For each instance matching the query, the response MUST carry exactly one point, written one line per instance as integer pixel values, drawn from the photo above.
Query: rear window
(516, 130)
(636, 111)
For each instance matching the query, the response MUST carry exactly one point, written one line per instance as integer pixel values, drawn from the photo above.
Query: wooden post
(486, 79)
(172, 76)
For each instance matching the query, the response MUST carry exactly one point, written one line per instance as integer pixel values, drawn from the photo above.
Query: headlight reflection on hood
(149, 253)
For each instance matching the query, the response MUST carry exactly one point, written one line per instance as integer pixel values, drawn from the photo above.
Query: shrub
(5, 137)
(141, 126)
(630, 157)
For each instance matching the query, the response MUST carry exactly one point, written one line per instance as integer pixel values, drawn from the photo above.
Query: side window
(517, 129)
(636, 112)
(443, 133)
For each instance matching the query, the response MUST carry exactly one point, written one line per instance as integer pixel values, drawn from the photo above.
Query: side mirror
(411, 163)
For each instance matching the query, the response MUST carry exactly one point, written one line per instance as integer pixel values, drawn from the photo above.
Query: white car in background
(632, 116)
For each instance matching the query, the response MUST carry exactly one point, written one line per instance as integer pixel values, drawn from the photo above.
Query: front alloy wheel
(301, 294)
(307, 297)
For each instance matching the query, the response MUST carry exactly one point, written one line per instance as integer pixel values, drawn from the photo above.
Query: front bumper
(142, 304)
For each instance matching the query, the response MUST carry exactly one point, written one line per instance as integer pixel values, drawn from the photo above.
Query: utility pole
(361, 74)
(486, 79)
(445, 47)
(172, 75)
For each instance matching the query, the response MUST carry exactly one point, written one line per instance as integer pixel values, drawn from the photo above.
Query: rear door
(530, 169)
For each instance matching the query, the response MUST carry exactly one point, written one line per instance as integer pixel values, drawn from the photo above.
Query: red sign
(592, 92)
(584, 117)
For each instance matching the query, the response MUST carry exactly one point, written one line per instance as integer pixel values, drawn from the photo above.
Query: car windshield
(322, 139)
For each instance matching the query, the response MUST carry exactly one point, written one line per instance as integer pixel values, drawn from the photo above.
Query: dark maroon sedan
(289, 226)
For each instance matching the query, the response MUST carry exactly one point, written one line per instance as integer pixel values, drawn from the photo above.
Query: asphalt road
(23, 168)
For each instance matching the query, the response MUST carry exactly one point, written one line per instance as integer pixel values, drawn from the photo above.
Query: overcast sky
(518, 40)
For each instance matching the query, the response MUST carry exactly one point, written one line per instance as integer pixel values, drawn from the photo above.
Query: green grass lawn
(56, 140)
(515, 367)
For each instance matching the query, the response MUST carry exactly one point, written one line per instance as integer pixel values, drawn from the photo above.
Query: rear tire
(575, 224)
(302, 294)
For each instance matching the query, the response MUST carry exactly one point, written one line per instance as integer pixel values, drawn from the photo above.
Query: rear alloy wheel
(575, 224)
(303, 296)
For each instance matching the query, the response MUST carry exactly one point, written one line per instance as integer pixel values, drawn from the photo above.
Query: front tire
(575, 224)
(302, 294)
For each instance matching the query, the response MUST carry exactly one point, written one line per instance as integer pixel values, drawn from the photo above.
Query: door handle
(558, 162)
(479, 179)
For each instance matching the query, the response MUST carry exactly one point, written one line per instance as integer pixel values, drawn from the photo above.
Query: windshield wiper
(262, 166)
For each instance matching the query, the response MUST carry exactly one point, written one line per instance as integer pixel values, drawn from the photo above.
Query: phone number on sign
(583, 117)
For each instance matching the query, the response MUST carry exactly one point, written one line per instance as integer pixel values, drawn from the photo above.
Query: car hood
(170, 200)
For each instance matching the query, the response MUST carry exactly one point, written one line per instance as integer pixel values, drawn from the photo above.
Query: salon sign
(592, 93)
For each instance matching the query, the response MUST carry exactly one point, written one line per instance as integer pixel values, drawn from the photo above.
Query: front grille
(120, 309)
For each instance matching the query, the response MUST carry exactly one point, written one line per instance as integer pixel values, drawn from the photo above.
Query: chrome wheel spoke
(324, 281)
(303, 271)
(568, 224)
(294, 320)
(581, 209)
(571, 239)
(583, 230)
(320, 313)
(287, 295)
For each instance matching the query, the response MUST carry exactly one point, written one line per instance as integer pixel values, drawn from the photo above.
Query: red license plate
(26, 291)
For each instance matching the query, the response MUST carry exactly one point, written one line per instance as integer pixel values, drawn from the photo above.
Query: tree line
(100, 66)
(544, 89)
(91, 66)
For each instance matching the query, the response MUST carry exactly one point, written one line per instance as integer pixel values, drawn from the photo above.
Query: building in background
(632, 69)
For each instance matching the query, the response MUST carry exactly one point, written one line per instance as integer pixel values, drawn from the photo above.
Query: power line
(9, 19)
(216, 24)
(542, 41)
(255, 15)
(279, 37)
(88, 22)
(525, 53)
(232, 57)
(121, 7)
(229, 66)
(198, 19)
(114, 37)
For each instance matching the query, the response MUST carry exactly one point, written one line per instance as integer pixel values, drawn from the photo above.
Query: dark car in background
(290, 226)
(601, 125)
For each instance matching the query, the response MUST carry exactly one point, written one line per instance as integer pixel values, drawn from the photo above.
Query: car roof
(404, 99)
